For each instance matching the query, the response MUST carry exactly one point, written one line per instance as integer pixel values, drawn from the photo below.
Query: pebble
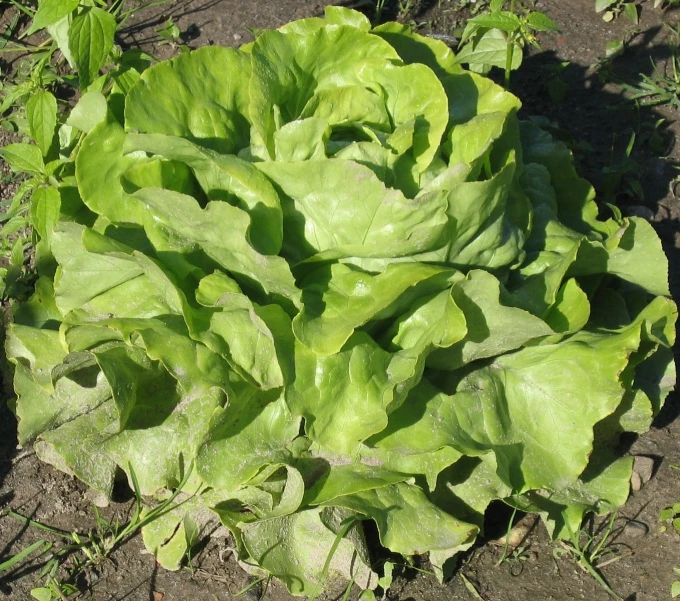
(635, 482)
(517, 536)
(237, 37)
(635, 529)
(643, 470)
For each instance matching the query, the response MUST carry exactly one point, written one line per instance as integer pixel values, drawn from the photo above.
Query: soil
(581, 97)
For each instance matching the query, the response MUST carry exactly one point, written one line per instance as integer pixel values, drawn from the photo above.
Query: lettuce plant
(331, 278)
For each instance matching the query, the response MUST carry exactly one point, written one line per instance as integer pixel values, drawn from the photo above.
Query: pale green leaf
(340, 299)
(395, 508)
(365, 219)
(489, 50)
(23, 158)
(51, 11)
(216, 82)
(253, 432)
(601, 5)
(295, 549)
(90, 110)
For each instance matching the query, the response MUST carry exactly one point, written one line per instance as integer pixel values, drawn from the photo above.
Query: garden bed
(585, 105)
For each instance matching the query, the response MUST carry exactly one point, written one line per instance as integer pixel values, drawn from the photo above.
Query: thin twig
(614, 559)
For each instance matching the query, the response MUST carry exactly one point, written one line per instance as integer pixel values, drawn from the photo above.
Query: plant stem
(509, 51)
(508, 63)
(507, 538)
(57, 588)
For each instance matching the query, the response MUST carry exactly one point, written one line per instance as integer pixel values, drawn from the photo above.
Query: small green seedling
(675, 585)
(613, 8)
(470, 587)
(663, 86)
(670, 515)
(169, 32)
(384, 582)
(497, 38)
(402, 8)
(587, 548)
(556, 87)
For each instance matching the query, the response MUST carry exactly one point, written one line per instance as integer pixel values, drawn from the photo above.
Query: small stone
(517, 536)
(635, 529)
(221, 533)
(644, 468)
(237, 37)
(635, 482)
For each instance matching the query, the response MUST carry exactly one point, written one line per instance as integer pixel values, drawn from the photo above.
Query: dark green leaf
(632, 12)
(505, 21)
(41, 113)
(541, 22)
(601, 5)
(90, 40)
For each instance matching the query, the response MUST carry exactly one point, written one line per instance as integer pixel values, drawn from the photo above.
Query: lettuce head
(330, 278)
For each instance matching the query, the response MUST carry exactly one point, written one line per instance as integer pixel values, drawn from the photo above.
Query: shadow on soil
(8, 436)
(143, 32)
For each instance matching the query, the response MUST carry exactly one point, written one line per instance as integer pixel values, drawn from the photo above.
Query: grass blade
(38, 525)
(19, 557)
(470, 587)
(5, 37)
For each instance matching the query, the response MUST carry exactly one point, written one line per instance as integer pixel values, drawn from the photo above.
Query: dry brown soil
(592, 112)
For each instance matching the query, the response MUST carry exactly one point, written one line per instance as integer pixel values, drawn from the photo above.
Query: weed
(82, 41)
(555, 86)
(498, 38)
(587, 548)
(613, 8)
(664, 4)
(169, 32)
(671, 515)
(506, 547)
(344, 527)
(470, 587)
(85, 549)
(384, 582)
(675, 585)
(253, 584)
(622, 177)
(514, 555)
(662, 87)
(377, 10)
